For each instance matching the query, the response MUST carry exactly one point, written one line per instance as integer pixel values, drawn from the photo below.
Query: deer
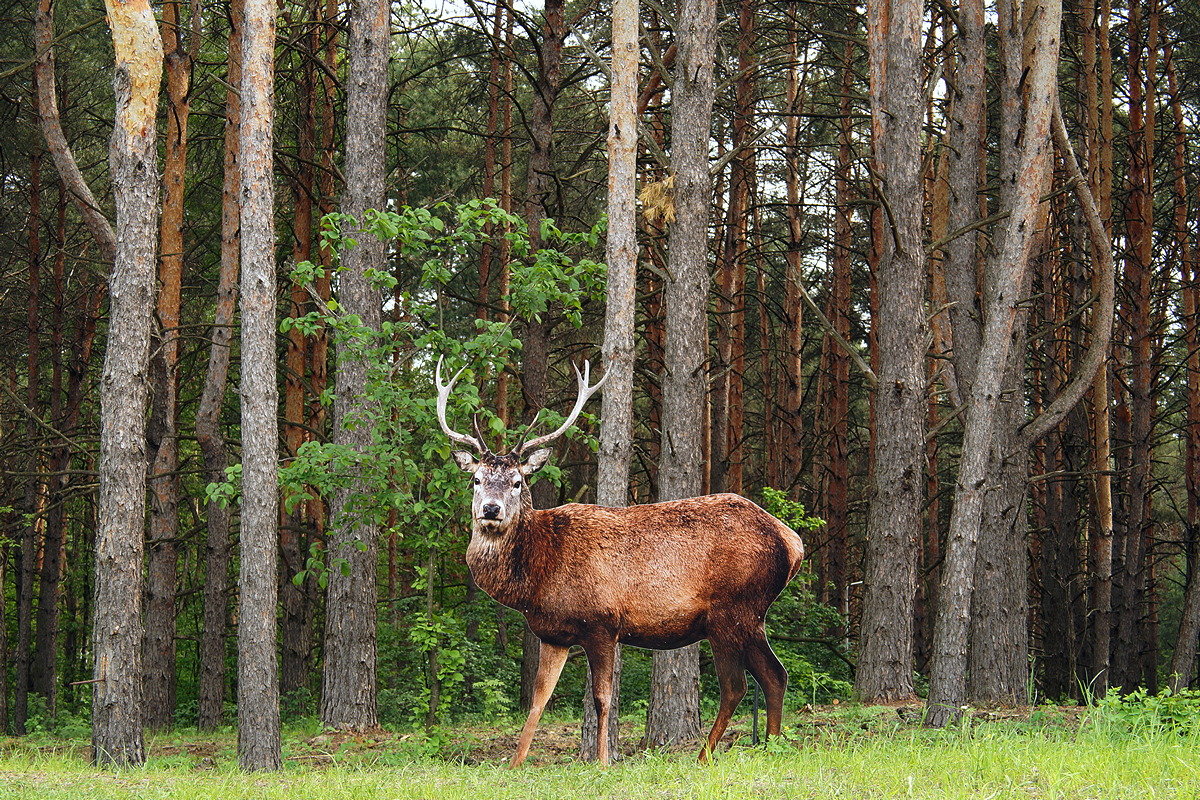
(659, 576)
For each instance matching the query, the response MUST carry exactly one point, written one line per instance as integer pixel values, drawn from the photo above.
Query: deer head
(500, 481)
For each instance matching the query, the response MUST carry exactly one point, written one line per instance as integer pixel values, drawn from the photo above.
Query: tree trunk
(27, 569)
(616, 434)
(117, 639)
(1127, 649)
(894, 516)
(1183, 658)
(213, 449)
(1023, 178)
(998, 667)
(535, 335)
(162, 550)
(258, 671)
(296, 634)
(348, 696)
(674, 711)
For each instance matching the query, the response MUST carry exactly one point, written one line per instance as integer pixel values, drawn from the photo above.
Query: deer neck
(502, 564)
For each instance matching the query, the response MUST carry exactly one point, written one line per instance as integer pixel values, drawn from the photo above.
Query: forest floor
(841, 751)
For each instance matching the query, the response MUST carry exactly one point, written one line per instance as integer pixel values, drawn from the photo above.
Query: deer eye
(516, 484)
(475, 481)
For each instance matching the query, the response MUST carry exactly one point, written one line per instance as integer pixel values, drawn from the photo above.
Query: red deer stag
(660, 576)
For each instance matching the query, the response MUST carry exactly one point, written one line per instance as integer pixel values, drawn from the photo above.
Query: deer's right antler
(442, 397)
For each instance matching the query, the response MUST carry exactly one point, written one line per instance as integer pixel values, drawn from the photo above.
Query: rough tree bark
(894, 521)
(213, 448)
(117, 637)
(1183, 658)
(1023, 177)
(258, 671)
(535, 335)
(616, 411)
(348, 695)
(162, 551)
(674, 712)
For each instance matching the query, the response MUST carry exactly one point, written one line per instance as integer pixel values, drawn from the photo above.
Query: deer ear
(466, 462)
(536, 461)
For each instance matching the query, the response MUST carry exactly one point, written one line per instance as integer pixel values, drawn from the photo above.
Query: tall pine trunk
(894, 520)
(1023, 172)
(258, 671)
(117, 737)
(616, 433)
(348, 696)
(162, 551)
(674, 712)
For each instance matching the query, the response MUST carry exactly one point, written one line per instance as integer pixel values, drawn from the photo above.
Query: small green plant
(1142, 713)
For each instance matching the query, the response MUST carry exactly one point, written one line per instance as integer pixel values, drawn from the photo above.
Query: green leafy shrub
(1142, 713)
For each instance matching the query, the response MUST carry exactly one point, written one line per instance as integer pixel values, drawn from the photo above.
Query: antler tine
(443, 396)
(585, 392)
(479, 431)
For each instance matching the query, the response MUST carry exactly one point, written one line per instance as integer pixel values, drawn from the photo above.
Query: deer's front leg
(551, 659)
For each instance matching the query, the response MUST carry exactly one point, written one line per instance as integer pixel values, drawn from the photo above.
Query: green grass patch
(847, 752)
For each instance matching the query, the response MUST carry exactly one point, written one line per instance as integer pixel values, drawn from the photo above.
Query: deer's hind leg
(602, 659)
(731, 674)
(551, 659)
(771, 676)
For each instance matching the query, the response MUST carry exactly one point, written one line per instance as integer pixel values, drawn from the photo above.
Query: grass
(844, 753)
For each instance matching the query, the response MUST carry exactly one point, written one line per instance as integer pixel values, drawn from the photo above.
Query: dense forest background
(489, 248)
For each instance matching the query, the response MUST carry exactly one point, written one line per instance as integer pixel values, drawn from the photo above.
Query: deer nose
(491, 511)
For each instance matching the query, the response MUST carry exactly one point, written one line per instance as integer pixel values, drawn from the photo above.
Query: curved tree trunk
(213, 448)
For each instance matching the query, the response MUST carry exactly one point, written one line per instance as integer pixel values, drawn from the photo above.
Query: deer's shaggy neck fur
(495, 556)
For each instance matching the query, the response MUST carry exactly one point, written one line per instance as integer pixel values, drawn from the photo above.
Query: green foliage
(818, 666)
(405, 480)
(790, 512)
(1141, 713)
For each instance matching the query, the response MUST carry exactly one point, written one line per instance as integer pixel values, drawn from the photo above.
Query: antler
(442, 397)
(585, 392)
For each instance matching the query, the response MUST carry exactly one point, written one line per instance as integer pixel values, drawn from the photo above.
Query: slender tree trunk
(535, 335)
(1183, 658)
(296, 634)
(836, 412)
(894, 516)
(616, 434)
(1099, 118)
(27, 569)
(348, 697)
(117, 639)
(792, 381)
(1143, 58)
(162, 550)
(258, 671)
(81, 195)
(674, 712)
(213, 448)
